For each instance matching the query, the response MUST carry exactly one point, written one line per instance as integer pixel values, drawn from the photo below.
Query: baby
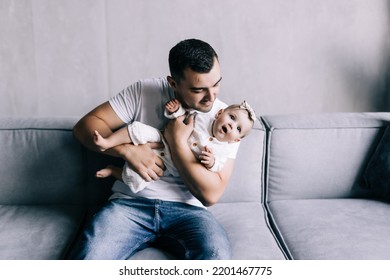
(228, 127)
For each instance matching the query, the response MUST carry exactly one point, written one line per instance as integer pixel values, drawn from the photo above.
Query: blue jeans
(124, 226)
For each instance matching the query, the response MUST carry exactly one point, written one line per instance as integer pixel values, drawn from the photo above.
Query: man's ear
(172, 82)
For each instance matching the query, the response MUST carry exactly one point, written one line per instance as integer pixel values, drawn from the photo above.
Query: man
(169, 213)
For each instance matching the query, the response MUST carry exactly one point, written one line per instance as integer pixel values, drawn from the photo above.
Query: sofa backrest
(320, 156)
(246, 182)
(306, 156)
(41, 163)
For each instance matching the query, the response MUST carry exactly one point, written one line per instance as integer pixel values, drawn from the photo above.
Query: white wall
(64, 57)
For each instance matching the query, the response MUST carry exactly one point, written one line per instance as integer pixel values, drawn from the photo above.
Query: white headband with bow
(244, 105)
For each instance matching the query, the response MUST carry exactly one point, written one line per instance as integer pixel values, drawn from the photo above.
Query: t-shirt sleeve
(126, 103)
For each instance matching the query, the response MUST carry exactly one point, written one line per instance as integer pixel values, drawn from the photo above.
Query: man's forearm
(205, 185)
(83, 131)
(141, 158)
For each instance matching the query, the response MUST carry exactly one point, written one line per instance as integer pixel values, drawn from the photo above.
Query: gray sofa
(296, 191)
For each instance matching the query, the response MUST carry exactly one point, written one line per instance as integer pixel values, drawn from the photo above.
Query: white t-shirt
(144, 102)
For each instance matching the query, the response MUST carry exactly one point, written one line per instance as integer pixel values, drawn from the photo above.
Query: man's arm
(205, 185)
(104, 119)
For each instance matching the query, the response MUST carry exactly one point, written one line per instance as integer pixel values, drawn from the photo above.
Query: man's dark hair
(193, 53)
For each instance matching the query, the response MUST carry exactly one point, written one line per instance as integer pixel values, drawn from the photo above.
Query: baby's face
(231, 125)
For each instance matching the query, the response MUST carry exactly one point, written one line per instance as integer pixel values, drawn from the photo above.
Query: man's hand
(143, 160)
(179, 130)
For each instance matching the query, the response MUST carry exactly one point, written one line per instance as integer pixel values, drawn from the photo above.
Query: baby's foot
(100, 142)
(172, 106)
(104, 173)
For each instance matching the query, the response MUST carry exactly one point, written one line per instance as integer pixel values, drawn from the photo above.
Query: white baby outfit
(200, 138)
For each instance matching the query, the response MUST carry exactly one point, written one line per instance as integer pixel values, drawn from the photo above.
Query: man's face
(198, 90)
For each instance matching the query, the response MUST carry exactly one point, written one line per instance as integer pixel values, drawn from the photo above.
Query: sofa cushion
(152, 253)
(38, 232)
(331, 229)
(246, 181)
(377, 174)
(248, 230)
(320, 155)
(41, 162)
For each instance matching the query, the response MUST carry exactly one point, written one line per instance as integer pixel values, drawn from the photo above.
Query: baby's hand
(207, 158)
(172, 106)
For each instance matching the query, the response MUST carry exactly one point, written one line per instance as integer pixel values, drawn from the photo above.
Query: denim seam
(156, 219)
(182, 244)
(145, 240)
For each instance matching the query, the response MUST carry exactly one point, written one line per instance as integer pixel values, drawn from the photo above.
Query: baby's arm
(212, 162)
(207, 158)
(173, 109)
(172, 106)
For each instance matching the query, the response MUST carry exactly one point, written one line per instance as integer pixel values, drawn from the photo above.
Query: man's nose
(211, 94)
(214, 91)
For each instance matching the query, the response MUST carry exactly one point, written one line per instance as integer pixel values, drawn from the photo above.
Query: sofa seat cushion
(37, 232)
(248, 231)
(152, 253)
(332, 229)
